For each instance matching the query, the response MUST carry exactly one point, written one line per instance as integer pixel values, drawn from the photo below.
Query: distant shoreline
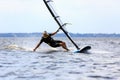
(58, 35)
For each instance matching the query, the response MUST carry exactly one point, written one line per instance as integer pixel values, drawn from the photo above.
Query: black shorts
(56, 43)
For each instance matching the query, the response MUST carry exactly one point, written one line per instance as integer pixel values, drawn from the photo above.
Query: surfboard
(62, 25)
(83, 50)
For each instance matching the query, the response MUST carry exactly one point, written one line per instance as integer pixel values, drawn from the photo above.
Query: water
(19, 62)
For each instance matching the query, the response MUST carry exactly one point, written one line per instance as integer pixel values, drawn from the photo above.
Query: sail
(49, 4)
(58, 20)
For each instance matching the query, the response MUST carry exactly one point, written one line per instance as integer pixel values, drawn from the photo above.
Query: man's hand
(58, 30)
(34, 49)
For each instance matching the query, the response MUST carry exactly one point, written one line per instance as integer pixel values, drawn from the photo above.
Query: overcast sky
(86, 16)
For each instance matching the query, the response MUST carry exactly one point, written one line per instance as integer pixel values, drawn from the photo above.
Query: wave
(16, 47)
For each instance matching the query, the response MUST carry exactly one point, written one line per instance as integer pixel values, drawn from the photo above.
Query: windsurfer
(47, 38)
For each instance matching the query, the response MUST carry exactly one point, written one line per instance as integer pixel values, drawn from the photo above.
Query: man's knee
(63, 43)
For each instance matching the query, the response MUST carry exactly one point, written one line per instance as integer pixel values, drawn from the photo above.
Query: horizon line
(48, 32)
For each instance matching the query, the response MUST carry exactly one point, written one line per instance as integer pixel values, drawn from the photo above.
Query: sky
(85, 16)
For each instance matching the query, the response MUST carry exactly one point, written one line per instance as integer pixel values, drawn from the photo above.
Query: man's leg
(63, 44)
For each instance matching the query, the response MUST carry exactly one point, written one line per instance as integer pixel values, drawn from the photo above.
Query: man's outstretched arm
(55, 32)
(37, 45)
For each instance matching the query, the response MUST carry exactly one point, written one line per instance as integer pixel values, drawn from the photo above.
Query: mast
(57, 19)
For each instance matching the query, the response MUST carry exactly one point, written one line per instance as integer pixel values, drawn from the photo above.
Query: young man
(47, 38)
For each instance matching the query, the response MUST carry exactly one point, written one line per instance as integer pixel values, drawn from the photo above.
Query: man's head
(45, 34)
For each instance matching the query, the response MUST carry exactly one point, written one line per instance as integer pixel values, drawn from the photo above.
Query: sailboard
(61, 26)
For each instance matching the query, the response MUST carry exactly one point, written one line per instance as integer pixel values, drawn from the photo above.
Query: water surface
(19, 62)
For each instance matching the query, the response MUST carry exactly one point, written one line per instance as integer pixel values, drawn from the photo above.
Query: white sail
(51, 5)
(58, 20)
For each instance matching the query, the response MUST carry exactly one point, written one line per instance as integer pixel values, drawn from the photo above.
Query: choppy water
(18, 62)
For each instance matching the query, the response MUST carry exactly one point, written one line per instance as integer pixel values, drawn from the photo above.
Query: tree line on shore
(59, 35)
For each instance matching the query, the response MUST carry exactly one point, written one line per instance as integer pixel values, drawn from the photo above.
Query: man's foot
(67, 50)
